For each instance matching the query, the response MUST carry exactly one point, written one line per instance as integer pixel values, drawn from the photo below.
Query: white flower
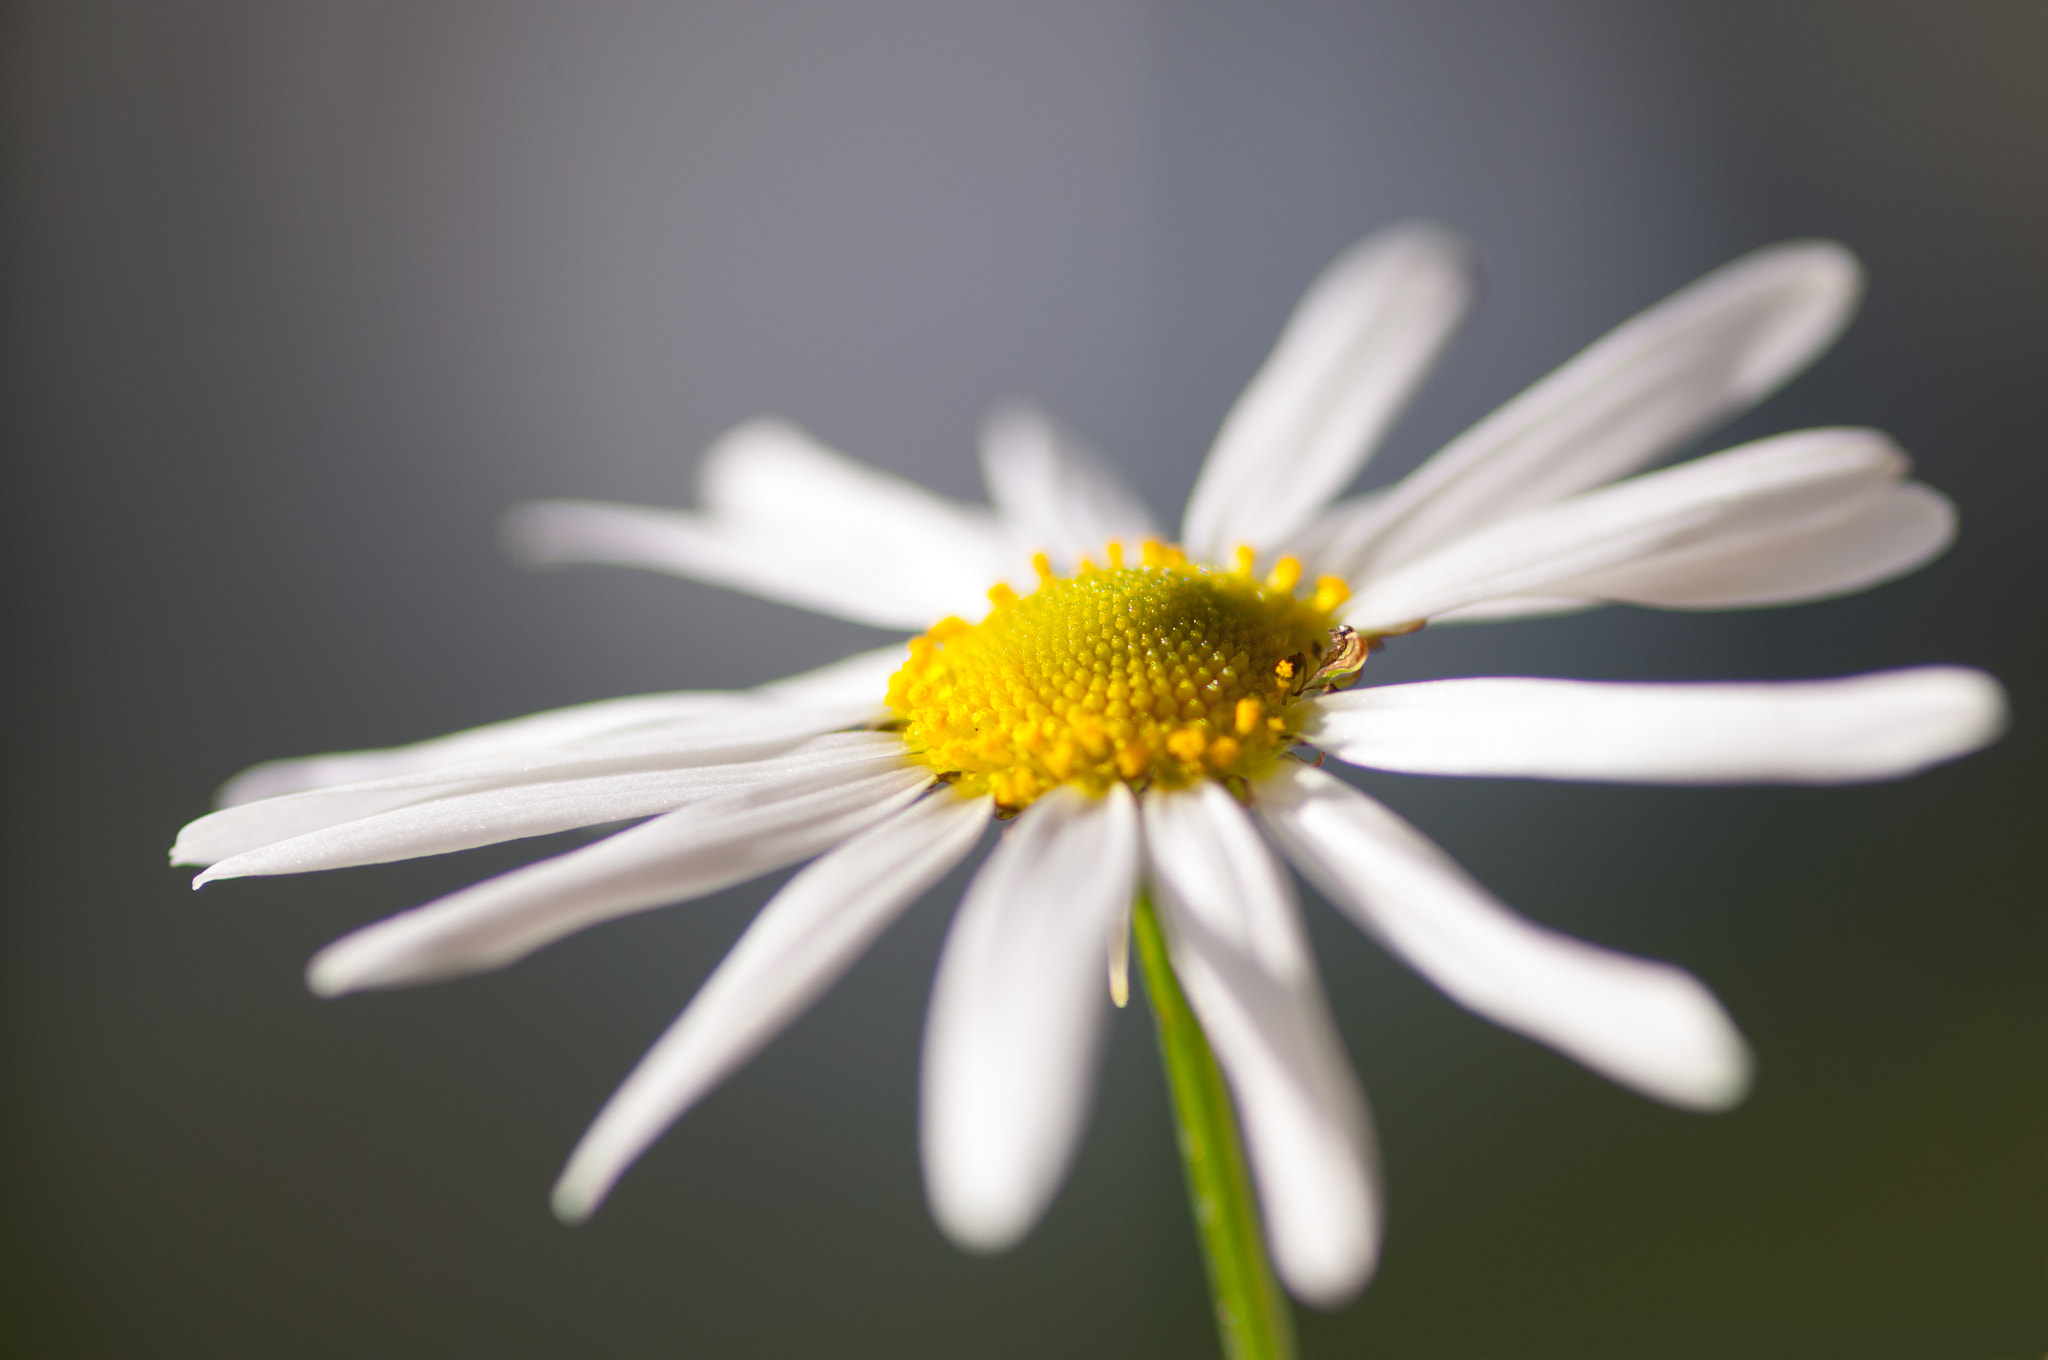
(1182, 783)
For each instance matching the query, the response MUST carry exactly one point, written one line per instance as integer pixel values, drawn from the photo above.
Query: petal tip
(1729, 1082)
(1328, 1290)
(1706, 1066)
(978, 1225)
(531, 534)
(981, 1207)
(574, 1199)
(1426, 233)
(745, 441)
(1983, 713)
(1013, 417)
(330, 973)
(1813, 288)
(1944, 713)
(1829, 269)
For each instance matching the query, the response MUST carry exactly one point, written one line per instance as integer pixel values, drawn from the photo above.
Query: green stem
(1251, 1313)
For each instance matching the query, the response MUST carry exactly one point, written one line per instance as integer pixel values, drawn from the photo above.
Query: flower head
(1157, 673)
(1137, 707)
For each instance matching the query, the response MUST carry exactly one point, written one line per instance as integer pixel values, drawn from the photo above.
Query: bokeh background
(296, 299)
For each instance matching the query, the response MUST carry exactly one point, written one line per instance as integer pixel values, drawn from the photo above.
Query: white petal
(1895, 532)
(793, 521)
(1507, 607)
(1645, 1024)
(860, 678)
(463, 821)
(694, 850)
(1017, 1012)
(768, 474)
(1324, 545)
(1678, 369)
(1054, 494)
(1755, 489)
(1356, 347)
(1834, 553)
(801, 569)
(1243, 958)
(747, 731)
(803, 940)
(1862, 728)
(553, 728)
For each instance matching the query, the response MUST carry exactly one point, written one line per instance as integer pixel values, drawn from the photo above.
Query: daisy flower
(1149, 715)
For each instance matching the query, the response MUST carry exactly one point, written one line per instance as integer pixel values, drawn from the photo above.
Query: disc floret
(1162, 672)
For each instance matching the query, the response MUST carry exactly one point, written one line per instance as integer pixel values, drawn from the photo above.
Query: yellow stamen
(1164, 673)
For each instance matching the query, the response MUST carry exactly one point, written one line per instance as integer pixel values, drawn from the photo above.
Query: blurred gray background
(295, 300)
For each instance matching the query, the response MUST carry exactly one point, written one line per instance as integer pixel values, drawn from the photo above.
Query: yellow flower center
(1163, 672)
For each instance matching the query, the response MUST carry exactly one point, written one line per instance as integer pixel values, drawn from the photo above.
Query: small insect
(1338, 661)
(1343, 658)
